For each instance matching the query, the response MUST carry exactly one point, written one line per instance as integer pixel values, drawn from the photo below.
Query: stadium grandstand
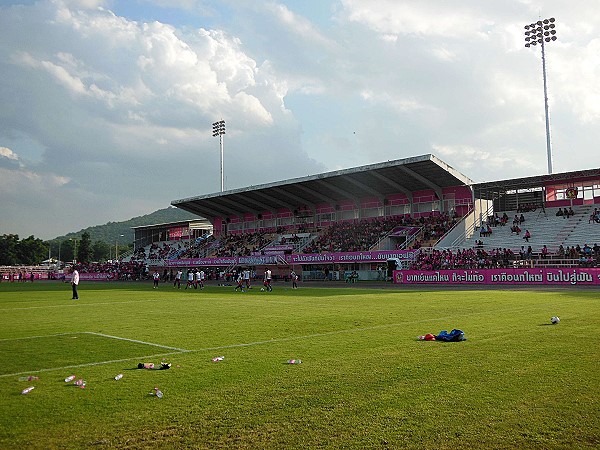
(417, 213)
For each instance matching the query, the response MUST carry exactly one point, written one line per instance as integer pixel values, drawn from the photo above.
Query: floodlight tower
(536, 33)
(219, 130)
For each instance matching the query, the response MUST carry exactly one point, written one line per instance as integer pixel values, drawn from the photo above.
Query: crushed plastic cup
(294, 361)
(118, 377)
(218, 358)
(69, 378)
(27, 390)
(29, 378)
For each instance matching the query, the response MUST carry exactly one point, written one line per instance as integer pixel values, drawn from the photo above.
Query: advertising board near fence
(581, 276)
(301, 258)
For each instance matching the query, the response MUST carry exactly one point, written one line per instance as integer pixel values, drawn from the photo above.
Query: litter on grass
(150, 366)
(156, 392)
(445, 336)
(218, 358)
(29, 378)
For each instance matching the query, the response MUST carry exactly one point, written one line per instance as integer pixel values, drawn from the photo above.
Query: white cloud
(8, 153)
(114, 111)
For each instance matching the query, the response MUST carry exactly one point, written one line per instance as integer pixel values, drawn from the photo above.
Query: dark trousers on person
(75, 296)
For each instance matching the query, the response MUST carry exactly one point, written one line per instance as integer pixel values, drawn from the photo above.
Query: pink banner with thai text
(92, 276)
(302, 258)
(587, 276)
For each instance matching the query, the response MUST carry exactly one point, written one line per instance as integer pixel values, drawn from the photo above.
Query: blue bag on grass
(454, 336)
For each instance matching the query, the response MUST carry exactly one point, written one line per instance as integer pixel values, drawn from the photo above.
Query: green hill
(112, 231)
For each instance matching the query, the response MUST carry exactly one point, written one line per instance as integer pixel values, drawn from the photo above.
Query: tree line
(33, 251)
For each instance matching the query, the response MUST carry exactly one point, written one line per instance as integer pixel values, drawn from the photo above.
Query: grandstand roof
(488, 190)
(378, 180)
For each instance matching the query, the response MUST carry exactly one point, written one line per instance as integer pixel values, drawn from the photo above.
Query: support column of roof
(248, 199)
(437, 189)
(317, 194)
(395, 185)
(302, 201)
(342, 192)
(275, 200)
(363, 186)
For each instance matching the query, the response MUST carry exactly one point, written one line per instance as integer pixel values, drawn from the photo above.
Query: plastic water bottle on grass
(69, 378)
(80, 383)
(27, 390)
(294, 361)
(118, 377)
(156, 392)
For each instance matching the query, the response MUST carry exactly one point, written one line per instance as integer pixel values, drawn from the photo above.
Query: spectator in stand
(527, 235)
(560, 212)
(570, 212)
(544, 252)
(483, 231)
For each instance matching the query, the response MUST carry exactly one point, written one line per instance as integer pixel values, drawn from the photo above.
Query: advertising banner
(99, 276)
(491, 277)
(350, 257)
(305, 258)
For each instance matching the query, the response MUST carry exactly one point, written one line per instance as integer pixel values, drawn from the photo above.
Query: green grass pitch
(365, 380)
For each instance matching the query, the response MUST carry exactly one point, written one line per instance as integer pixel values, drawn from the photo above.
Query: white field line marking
(37, 337)
(76, 304)
(354, 330)
(270, 341)
(98, 363)
(180, 350)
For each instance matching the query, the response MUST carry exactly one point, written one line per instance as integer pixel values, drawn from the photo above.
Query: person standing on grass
(246, 274)
(178, 279)
(240, 282)
(268, 279)
(202, 276)
(75, 283)
(294, 278)
(156, 279)
(190, 278)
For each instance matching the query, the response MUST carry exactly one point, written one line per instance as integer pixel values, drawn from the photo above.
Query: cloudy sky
(106, 106)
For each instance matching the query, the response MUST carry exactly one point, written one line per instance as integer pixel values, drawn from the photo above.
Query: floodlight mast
(219, 130)
(539, 33)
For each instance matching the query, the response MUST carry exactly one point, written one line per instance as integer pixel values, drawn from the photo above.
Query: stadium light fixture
(540, 33)
(219, 130)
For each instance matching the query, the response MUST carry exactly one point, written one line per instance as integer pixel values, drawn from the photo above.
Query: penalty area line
(97, 363)
(178, 350)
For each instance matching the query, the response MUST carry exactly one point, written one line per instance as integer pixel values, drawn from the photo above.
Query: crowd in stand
(464, 259)
(117, 270)
(242, 244)
(354, 236)
(478, 258)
